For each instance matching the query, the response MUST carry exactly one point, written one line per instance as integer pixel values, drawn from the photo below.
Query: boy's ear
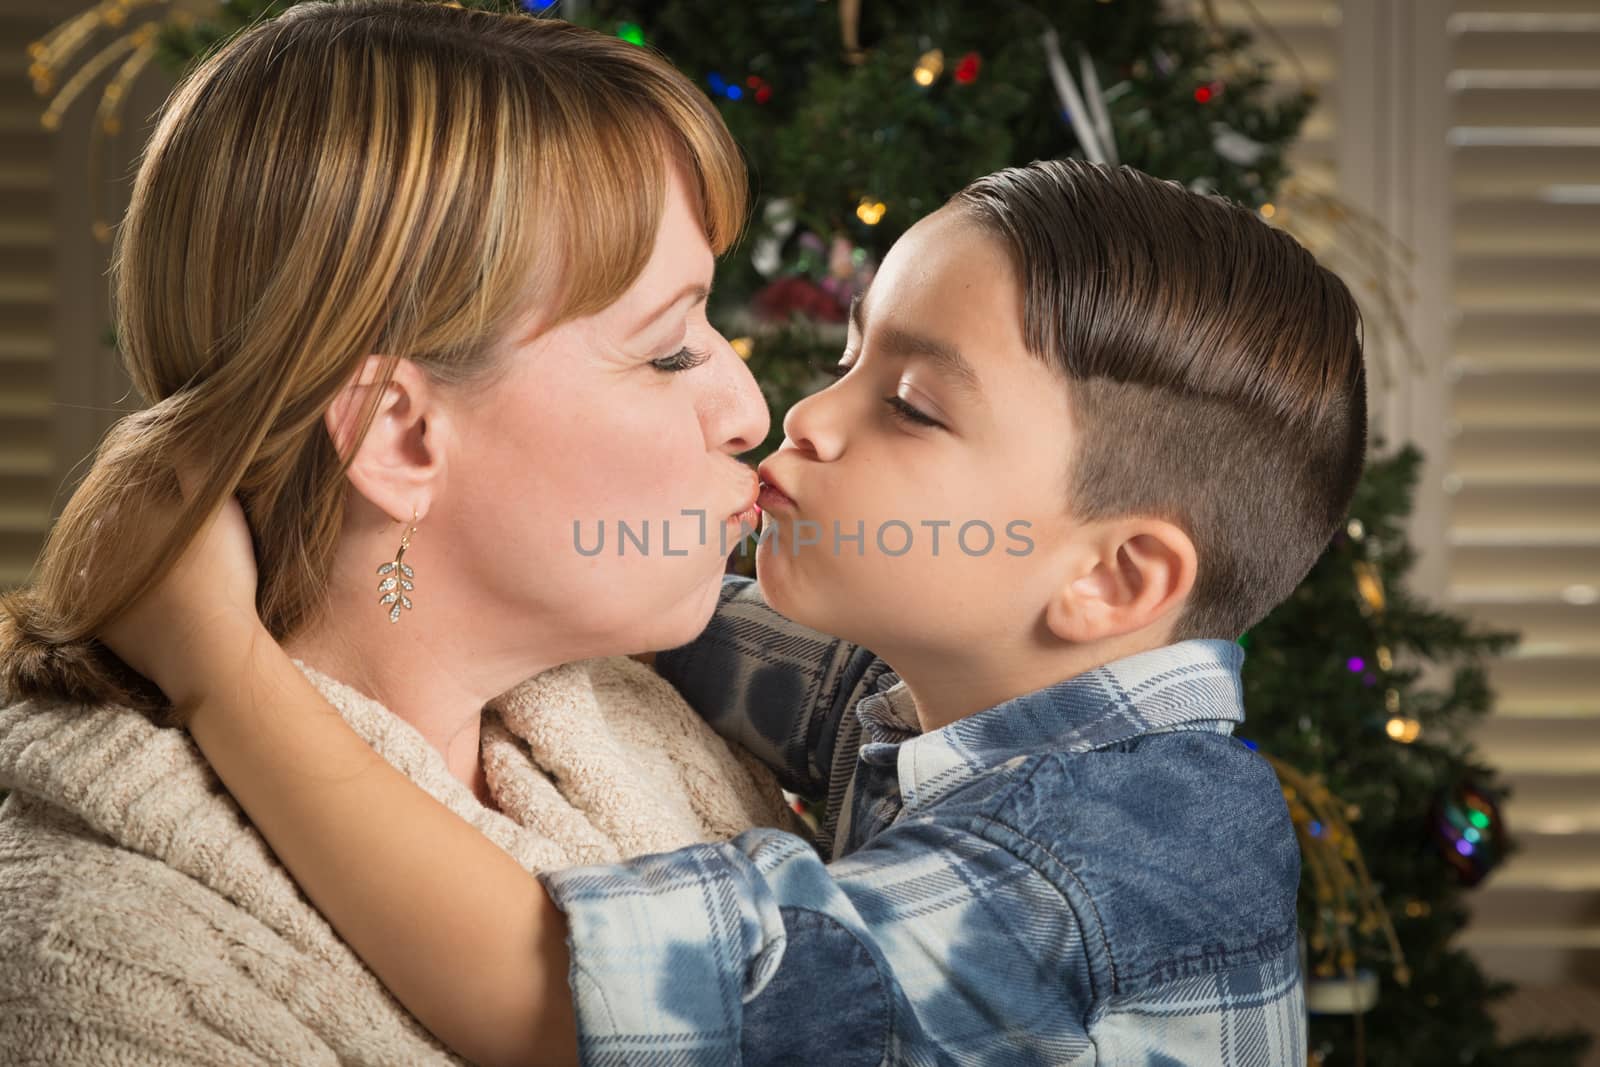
(1123, 576)
(397, 465)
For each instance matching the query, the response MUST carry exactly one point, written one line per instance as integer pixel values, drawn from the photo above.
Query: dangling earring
(391, 594)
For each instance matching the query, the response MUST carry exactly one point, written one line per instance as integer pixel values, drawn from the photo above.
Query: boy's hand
(201, 617)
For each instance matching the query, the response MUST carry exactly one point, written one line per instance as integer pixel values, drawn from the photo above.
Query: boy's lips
(773, 495)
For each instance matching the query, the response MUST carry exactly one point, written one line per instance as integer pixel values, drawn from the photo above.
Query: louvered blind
(28, 468)
(1524, 477)
(1518, 520)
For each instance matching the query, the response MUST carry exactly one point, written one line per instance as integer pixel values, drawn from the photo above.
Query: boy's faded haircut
(1215, 370)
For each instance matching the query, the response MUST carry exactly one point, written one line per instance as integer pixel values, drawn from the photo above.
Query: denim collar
(1191, 685)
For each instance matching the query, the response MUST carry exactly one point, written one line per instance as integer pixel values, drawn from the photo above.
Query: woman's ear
(1123, 576)
(398, 463)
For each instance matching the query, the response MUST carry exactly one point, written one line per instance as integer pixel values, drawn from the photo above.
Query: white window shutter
(28, 467)
(1524, 477)
(1471, 131)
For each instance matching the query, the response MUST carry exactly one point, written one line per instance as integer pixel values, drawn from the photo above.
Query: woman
(425, 288)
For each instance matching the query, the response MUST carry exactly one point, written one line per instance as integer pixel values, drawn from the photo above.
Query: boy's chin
(814, 597)
(791, 592)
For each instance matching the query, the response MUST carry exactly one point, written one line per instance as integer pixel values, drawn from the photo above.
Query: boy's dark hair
(1215, 370)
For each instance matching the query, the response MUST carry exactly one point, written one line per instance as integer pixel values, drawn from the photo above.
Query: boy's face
(939, 333)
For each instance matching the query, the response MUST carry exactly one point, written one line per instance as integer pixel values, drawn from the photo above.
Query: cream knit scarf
(143, 919)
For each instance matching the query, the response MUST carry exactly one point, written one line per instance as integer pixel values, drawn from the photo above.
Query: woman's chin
(698, 611)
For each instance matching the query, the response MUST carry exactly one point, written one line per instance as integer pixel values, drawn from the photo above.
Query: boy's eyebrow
(945, 357)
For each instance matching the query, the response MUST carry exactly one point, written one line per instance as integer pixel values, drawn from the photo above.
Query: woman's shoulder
(140, 910)
(109, 766)
(131, 806)
(94, 935)
(129, 959)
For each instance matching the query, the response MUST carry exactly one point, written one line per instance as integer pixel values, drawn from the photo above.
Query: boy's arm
(746, 951)
(462, 935)
(779, 689)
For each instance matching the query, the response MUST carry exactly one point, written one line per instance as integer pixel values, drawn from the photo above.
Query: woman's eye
(681, 360)
(906, 413)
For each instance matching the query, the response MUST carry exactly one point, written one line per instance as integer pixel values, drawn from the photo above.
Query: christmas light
(1267, 211)
(1404, 731)
(631, 32)
(1370, 586)
(967, 69)
(743, 345)
(928, 68)
(870, 211)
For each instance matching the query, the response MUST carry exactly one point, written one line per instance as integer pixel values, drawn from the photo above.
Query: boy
(1046, 846)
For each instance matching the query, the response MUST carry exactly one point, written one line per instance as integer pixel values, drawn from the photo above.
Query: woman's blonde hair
(378, 176)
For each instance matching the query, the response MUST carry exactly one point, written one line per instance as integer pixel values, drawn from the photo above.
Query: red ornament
(759, 86)
(796, 294)
(967, 69)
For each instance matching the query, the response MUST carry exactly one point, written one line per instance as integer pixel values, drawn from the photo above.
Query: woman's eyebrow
(696, 290)
(945, 357)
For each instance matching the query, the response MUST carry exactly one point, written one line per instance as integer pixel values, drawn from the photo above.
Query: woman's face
(629, 416)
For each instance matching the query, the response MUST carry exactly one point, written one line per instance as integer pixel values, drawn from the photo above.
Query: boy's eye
(906, 413)
(832, 370)
(681, 360)
(897, 407)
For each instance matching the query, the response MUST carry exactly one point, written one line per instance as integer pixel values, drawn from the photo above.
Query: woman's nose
(737, 420)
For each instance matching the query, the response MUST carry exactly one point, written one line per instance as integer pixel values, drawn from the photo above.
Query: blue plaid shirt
(1093, 873)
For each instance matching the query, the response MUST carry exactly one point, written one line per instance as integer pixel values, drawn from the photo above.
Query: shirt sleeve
(754, 951)
(779, 689)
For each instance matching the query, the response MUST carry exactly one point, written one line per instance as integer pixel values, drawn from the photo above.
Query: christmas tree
(859, 118)
(1363, 696)
(856, 119)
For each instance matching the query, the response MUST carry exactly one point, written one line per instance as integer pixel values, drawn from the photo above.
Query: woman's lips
(749, 516)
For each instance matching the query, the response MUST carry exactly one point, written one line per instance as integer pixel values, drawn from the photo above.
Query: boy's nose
(815, 424)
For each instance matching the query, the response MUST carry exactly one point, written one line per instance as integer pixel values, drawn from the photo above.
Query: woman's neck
(400, 672)
(438, 665)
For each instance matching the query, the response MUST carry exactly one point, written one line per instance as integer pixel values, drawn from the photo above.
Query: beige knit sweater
(144, 921)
